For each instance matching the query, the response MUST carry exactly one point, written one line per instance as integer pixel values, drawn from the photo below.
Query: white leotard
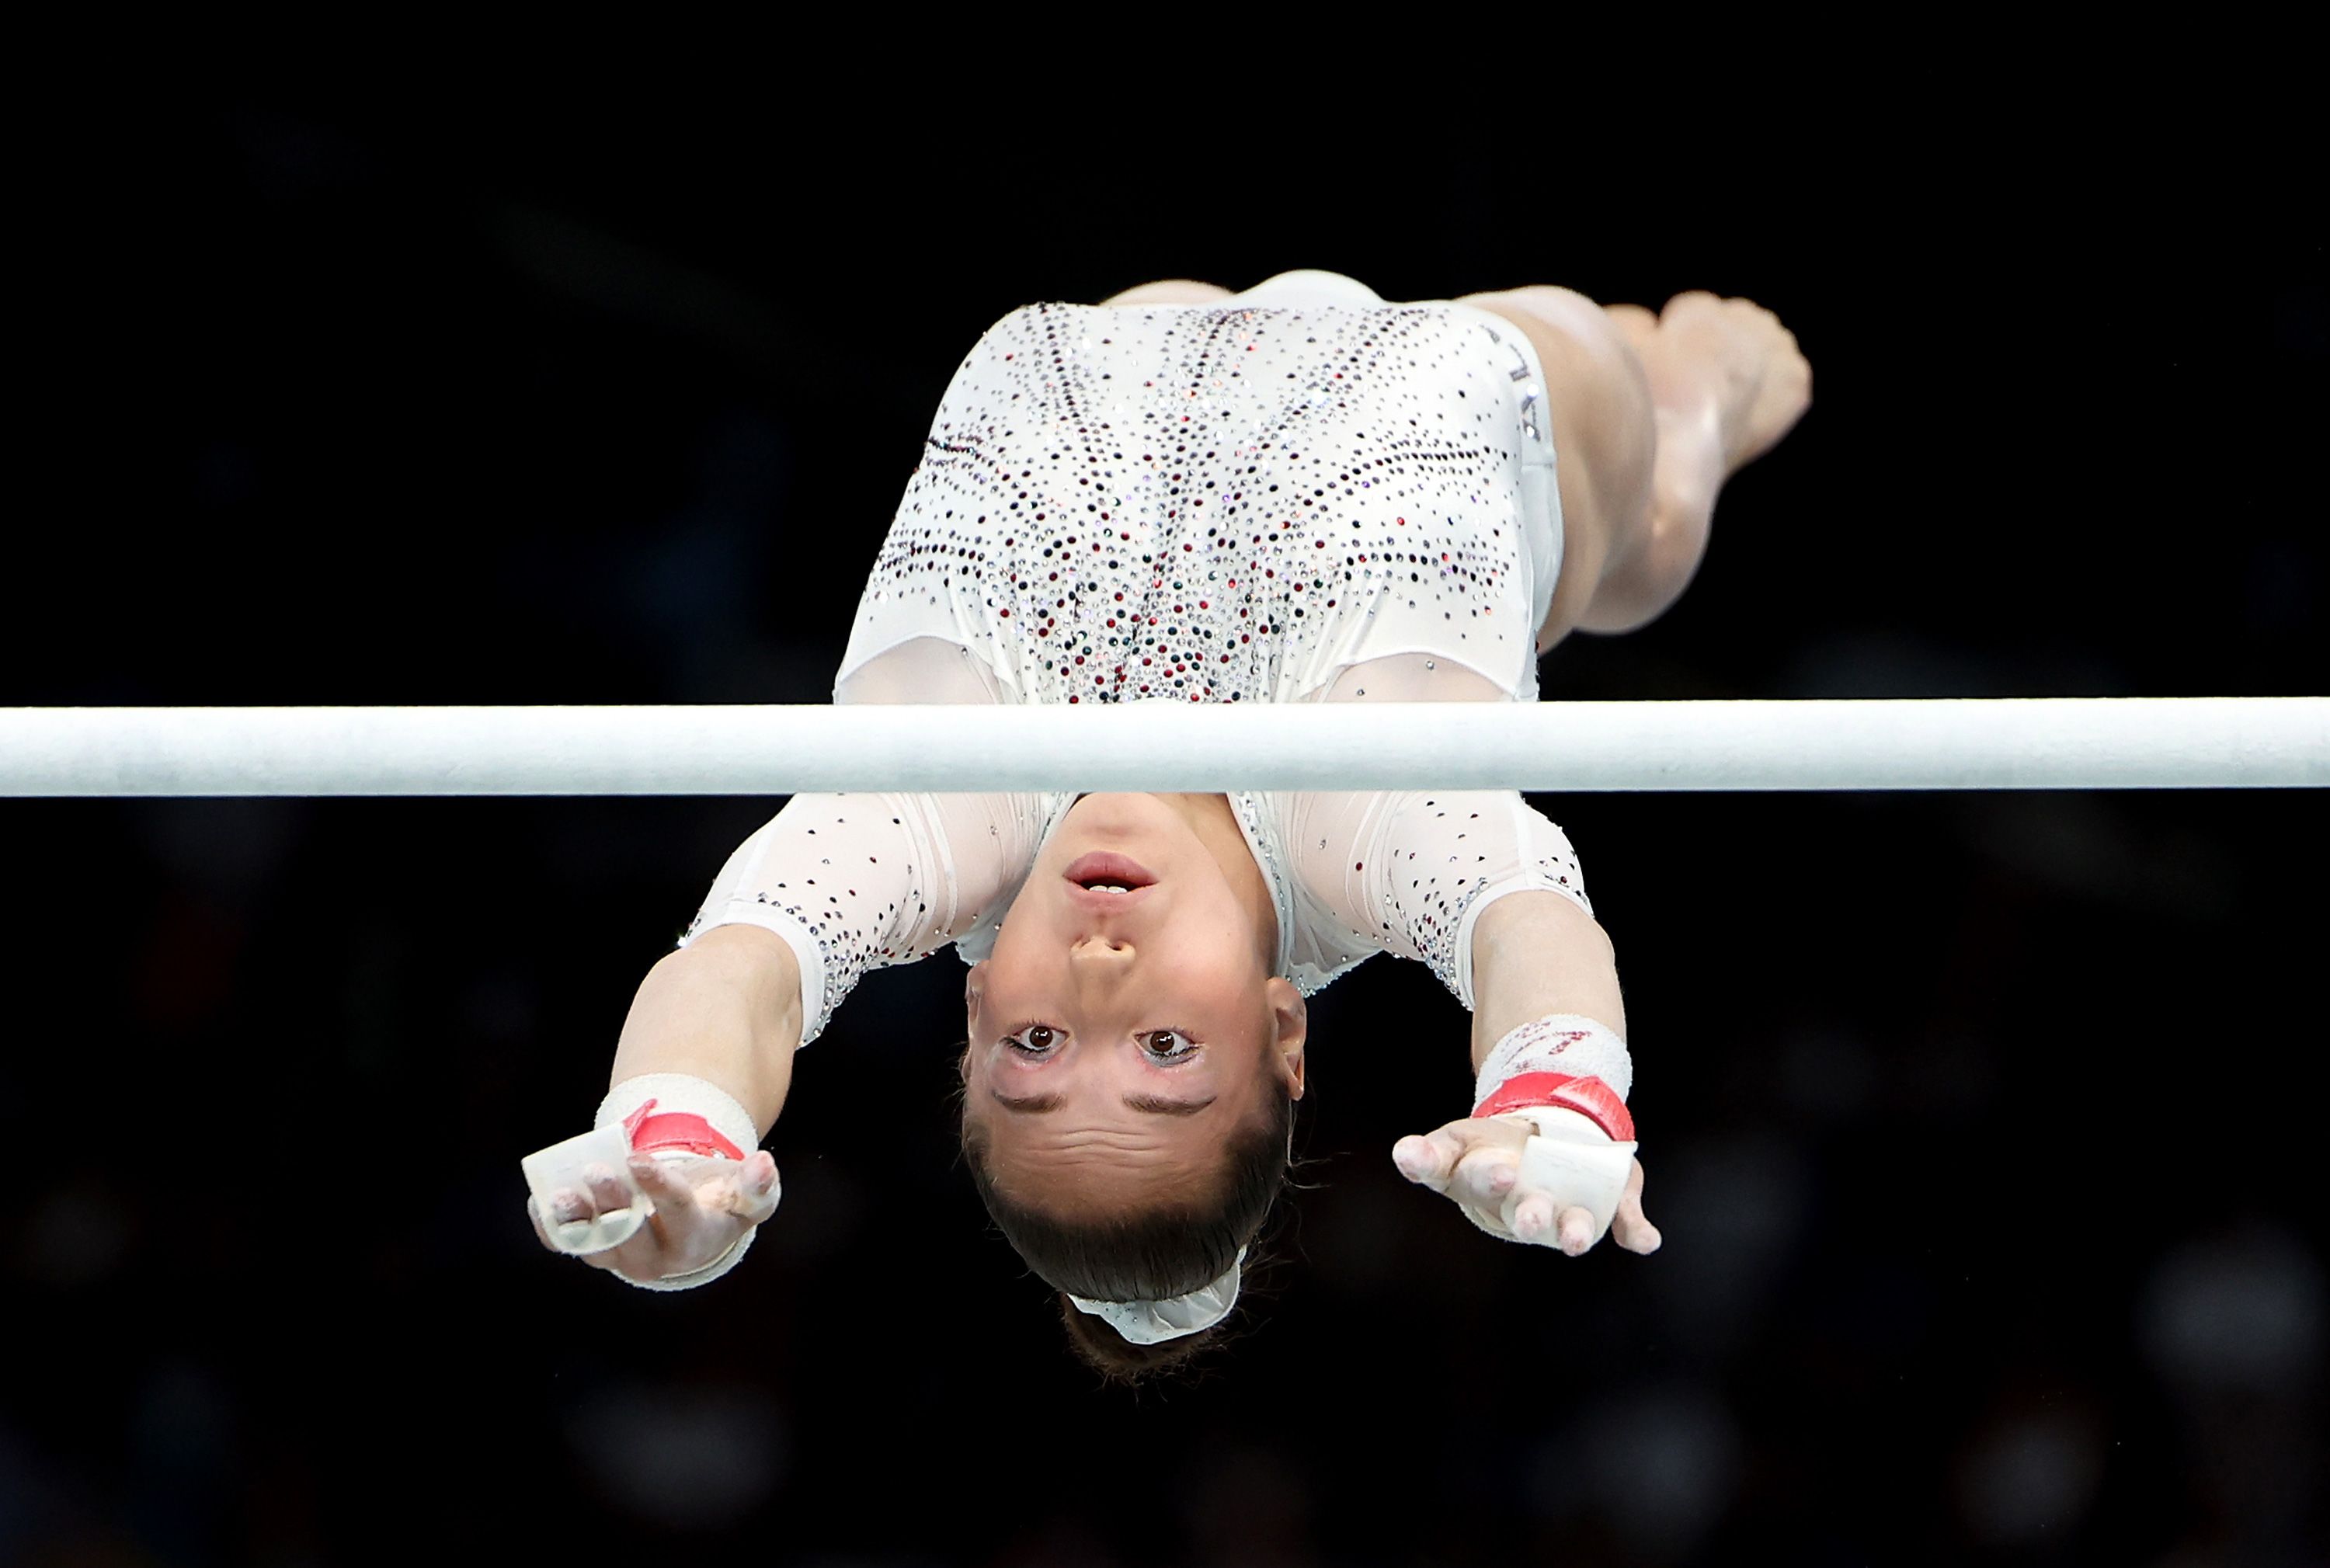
(1299, 494)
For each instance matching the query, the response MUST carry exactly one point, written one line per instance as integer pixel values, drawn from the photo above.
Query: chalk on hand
(562, 1167)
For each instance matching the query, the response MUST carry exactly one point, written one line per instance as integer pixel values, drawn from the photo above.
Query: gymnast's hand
(703, 1207)
(1477, 1164)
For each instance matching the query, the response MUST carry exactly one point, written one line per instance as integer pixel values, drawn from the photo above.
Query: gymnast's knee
(1169, 291)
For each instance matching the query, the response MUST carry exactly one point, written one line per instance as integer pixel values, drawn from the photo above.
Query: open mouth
(1106, 872)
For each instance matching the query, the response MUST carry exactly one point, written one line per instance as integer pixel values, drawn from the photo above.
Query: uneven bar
(1972, 743)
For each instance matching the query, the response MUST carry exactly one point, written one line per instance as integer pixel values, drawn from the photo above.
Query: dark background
(1992, 1219)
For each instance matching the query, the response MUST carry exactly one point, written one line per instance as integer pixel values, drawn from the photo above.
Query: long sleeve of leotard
(1408, 873)
(860, 881)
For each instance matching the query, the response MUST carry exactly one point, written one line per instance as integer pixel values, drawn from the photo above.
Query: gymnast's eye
(1169, 1045)
(1033, 1039)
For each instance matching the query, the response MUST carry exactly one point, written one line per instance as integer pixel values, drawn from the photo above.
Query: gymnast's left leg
(1651, 414)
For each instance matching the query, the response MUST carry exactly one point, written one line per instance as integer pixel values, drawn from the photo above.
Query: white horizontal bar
(2044, 743)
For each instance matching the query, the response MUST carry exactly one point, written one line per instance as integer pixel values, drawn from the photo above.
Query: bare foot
(1727, 379)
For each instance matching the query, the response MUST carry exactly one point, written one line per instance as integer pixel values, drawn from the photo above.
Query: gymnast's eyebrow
(1157, 1104)
(1164, 1107)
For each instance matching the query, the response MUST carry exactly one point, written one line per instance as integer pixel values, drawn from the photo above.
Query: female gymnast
(1301, 493)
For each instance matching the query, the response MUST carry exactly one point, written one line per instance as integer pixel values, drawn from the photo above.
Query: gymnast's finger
(748, 1193)
(606, 1188)
(677, 1212)
(1533, 1217)
(1429, 1160)
(1573, 1230)
(602, 1192)
(568, 1206)
(1484, 1176)
(1432, 1159)
(1632, 1228)
(645, 1254)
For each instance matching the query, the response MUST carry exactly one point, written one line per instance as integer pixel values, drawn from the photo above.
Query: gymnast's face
(1117, 1038)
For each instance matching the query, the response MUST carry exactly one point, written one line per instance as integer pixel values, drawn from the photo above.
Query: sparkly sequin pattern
(1410, 873)
(1244, 503)
(1216, 504)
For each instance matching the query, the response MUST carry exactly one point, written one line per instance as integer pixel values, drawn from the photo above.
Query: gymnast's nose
(1099, 952)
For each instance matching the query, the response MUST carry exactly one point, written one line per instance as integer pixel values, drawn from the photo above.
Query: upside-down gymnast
(1297, 493)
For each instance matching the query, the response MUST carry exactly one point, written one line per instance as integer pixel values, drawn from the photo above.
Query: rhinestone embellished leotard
(1300, 494)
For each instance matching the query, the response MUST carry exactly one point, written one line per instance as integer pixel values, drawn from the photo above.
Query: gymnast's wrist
(1562, 1073)
(675, 1115)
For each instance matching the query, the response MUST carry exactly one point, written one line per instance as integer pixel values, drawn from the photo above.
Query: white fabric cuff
(1567, 1042)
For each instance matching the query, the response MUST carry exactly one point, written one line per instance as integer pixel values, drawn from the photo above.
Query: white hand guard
(673, 1117)
(1565, 1077)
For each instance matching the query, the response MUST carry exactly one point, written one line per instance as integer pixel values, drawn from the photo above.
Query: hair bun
(1119, 1359)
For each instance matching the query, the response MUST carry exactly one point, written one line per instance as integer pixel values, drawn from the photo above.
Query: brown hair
(1166, 1251)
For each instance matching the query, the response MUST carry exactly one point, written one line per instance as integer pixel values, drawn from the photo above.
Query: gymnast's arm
(727, 1009)
(835, 884)
(1534, 954)
(1488, 893)
(720, 1016)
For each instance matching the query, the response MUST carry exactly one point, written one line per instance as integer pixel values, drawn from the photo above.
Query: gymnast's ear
(1291, 1021)
(973, 992)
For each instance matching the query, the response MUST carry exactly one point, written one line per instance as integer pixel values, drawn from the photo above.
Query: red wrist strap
(1589, 1097)
(675, 1130)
